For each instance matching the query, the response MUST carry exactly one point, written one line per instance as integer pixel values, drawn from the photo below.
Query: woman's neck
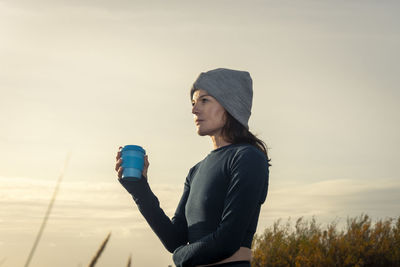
(218, 141)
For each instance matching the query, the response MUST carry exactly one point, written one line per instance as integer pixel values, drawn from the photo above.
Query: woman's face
(209, 115)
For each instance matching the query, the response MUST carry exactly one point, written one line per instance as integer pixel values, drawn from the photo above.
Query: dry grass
(44, 223)
(48, 212)
(129, 261)
(3, 261)
(99, 251)
(362, 243)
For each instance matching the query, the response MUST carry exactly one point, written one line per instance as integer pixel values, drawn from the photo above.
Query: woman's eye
(204, 100)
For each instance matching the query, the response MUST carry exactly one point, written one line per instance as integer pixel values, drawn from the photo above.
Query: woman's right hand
(119, 169)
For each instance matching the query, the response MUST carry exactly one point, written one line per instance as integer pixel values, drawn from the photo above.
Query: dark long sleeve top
(219, 208)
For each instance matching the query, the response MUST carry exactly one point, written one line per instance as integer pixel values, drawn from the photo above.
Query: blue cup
(132, 162)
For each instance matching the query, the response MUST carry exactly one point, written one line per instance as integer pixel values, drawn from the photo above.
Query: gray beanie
(233, 89)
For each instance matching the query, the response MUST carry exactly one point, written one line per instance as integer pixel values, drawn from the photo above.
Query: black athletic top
(218, 211)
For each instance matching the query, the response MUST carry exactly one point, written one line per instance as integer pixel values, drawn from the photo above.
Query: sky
(84, 77)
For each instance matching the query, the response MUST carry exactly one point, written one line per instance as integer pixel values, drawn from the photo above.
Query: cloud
(106, 204)
(80, 207)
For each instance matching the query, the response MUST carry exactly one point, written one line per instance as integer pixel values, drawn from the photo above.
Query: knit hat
(233, 89)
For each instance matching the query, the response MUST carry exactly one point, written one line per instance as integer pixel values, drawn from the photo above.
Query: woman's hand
(119, 169)
(145, 166)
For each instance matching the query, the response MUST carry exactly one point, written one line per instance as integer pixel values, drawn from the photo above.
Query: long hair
(234, 132)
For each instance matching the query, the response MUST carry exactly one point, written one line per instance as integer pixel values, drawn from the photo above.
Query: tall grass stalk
(129, 261)
(46, 216)
(99, 251)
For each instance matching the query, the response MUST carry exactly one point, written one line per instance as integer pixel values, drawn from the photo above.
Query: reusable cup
(132, 162)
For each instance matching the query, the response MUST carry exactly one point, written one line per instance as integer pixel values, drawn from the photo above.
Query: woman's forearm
(172, 233)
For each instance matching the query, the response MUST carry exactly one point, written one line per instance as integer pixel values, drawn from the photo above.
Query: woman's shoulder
(248, 150)
(248, 161)
(245, 155)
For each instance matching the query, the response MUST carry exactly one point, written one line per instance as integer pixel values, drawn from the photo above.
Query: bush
(360, 244)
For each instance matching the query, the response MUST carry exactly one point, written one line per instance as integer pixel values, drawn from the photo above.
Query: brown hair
(234, 132)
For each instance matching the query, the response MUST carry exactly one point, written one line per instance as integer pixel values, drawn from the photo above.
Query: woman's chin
(201, 132)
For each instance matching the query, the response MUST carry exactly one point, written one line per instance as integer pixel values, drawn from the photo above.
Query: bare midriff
(242, 254)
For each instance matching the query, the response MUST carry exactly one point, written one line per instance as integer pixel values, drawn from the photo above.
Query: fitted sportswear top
(219, 208)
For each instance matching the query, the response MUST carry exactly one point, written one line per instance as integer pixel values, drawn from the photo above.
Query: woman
(217, 215)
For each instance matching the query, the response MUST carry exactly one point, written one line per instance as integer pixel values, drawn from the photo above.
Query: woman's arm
(246, 191)
(172, 233)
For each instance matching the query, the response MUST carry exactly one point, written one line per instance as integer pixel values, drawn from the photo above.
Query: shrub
(362, 243)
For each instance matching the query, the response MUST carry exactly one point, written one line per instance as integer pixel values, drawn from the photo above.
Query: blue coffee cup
(132, 162)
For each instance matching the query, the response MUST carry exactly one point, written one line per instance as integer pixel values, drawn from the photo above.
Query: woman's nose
(194, 109)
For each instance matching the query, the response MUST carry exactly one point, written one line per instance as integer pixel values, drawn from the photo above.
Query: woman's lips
(198, 122)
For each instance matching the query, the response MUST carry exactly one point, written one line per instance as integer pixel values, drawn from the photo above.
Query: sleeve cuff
(138, 189)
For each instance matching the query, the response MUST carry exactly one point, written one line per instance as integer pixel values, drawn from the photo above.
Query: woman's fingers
(146, 166)
(118, 164)
(119, 153)
(120, 170)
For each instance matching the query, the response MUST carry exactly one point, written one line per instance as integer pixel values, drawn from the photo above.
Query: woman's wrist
(138, 189)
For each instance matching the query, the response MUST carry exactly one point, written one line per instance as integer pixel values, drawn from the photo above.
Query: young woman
(217, 215)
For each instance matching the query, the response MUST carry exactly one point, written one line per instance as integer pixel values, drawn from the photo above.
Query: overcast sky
(84, 77)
